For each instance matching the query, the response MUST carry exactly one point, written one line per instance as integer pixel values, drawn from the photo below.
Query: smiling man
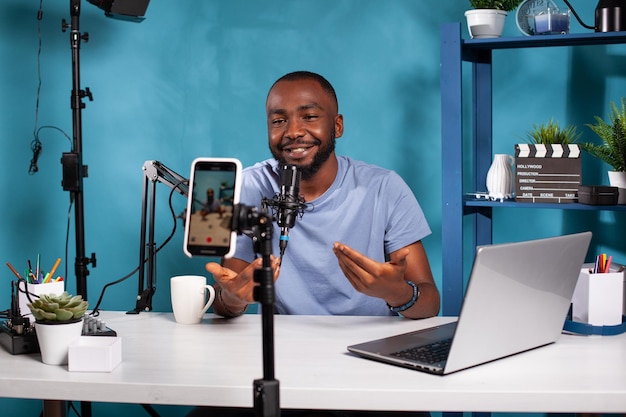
(358, 248)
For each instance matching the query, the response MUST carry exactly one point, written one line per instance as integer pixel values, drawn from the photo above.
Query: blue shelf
(542, 41)
(456, 207)
(471, 202)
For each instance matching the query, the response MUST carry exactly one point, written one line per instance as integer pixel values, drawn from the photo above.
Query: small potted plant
(551, 133)
(486, 20)
(58, 321)
(548, 168)
(612, 150)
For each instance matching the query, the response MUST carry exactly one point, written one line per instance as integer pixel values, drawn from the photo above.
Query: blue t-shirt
(368, 208)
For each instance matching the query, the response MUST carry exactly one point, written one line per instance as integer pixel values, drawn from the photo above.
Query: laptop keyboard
(431, 353)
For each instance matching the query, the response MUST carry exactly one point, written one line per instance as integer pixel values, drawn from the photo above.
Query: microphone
(287, 205)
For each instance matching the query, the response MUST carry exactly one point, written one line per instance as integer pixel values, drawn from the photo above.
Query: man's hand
(381, 280)
(389, 280)
(237, 287)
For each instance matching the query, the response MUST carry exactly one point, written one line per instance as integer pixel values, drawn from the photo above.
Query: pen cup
(599, 298)
(56, 287)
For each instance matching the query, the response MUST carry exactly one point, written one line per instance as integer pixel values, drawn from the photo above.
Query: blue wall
(191, 81)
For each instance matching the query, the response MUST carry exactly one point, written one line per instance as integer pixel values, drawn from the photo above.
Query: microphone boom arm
(154, 172)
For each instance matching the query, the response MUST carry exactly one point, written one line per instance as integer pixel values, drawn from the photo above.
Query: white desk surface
(215, 363)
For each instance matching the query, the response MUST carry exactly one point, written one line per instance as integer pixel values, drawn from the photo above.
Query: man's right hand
(238, 283)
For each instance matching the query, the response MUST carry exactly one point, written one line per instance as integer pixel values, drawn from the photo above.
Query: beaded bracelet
(409, 304)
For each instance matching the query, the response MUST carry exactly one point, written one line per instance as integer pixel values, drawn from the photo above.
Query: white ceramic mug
(189, 298)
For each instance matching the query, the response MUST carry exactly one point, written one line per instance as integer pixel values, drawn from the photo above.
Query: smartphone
(214, 187)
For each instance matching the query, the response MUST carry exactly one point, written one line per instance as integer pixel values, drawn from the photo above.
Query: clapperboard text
(547, 173)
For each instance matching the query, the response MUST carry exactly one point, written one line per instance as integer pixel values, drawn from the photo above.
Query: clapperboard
(547, 173)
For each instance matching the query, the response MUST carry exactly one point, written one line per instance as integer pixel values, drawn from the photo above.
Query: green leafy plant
(505, 5)
(613, 134)
(551, 133)
(58, 308)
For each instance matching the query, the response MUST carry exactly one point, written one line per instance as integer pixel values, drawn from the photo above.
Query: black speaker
(132, 10)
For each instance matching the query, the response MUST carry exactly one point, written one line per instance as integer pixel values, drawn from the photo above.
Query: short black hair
(307, 75)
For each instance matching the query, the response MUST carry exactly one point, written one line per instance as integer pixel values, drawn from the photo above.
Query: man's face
(302, 124)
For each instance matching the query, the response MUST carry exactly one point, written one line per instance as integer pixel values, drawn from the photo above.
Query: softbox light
(132, 10)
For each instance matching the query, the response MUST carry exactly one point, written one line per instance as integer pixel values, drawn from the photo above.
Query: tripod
(247, 220)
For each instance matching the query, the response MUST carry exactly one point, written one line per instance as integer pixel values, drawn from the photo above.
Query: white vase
(500, 177)
(54, 340)
(485, 23)
(618, 179)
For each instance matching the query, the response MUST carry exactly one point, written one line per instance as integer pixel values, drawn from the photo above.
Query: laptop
(517, 299)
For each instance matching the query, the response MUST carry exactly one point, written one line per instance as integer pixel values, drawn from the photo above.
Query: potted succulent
(549, 168)
(613, 147)
(486, 19)
(58, 322)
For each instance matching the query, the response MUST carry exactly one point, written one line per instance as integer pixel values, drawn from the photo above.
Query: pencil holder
(599, 298)
(56, 287)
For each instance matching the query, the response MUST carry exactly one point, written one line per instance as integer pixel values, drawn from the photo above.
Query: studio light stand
(73, 169)
(154, 172)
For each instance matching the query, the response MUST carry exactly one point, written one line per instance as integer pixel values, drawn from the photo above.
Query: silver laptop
(517, 299)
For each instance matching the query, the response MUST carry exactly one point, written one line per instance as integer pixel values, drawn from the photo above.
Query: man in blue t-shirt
(357, 250)
(211, 204)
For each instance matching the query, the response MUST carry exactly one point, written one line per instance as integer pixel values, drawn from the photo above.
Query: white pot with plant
(58, 322)
(612, 150)
(553, 156)
(486, 20)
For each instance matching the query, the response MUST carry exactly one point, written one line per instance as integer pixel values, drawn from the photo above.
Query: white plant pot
(54, 340)
(618, 179)
(485, 23)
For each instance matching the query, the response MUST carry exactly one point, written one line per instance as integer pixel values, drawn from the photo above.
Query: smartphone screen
(214, 187)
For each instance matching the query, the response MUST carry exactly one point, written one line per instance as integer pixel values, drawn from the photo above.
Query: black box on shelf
(547, 173)
(598, 195)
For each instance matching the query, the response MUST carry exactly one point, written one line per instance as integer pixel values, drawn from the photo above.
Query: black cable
(576, 15)
(67, 231)
(95, 312)
(55, 128)
(35, 145)
(70, 407)
(150, 410)
(25, 290)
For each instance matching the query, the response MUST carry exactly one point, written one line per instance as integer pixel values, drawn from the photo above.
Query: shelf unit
(454, 51)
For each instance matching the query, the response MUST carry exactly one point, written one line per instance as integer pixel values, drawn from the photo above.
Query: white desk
(216, 362)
